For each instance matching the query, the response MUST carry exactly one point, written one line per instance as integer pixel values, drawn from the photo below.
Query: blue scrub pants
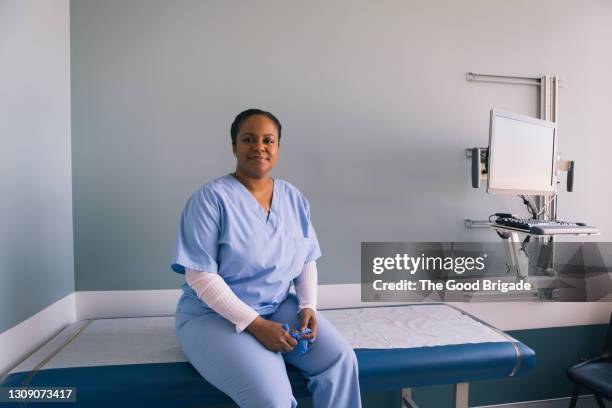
(253, 376)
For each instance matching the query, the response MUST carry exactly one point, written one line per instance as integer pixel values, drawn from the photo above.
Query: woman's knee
(344, 358)
(347, 356)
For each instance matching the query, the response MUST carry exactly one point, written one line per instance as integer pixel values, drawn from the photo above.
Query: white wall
(36, 247)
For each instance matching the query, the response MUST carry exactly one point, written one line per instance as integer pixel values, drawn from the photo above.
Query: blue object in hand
(302, 346)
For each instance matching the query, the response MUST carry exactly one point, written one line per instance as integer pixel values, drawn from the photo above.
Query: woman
(243, 238)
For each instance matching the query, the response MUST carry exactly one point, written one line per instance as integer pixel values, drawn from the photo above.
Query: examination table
(130, 362)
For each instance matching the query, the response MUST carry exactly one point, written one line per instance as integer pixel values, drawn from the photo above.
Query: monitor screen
(522, 154)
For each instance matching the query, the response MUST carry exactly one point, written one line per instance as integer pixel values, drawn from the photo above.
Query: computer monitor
(522, 154)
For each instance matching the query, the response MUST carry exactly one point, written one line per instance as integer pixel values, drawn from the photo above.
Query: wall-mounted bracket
(507, 79)
(545, 208)
(469, 223)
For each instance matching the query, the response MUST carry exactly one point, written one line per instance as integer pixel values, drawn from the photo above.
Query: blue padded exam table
(128, 362)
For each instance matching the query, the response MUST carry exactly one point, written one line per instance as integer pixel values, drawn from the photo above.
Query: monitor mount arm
(512, 249)
(511, 241)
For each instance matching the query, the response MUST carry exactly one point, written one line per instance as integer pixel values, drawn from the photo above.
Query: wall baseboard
(126, 303)
(538, 315)
(21, 340)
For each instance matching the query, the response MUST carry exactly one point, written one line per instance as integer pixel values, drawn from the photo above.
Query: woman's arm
(306, 290)
(306, 287)
(212, 289)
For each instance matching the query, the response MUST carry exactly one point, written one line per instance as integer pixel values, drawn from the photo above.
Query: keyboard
(543, 227)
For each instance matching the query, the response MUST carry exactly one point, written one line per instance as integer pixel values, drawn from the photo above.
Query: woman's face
(256, 147)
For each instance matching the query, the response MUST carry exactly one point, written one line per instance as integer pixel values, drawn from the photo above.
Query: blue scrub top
(224, 230)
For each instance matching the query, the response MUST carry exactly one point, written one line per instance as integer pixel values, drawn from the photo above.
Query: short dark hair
(244, 115)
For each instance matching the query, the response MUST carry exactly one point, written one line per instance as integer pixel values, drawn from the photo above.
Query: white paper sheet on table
(409, 326)
(149, 340)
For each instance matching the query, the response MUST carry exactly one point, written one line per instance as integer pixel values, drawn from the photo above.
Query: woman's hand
(308, 318)
(271, 335)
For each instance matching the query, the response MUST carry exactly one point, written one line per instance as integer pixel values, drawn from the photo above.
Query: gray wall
(375, 107)
(36, 253)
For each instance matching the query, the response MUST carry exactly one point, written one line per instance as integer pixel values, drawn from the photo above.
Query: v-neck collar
(267, 218)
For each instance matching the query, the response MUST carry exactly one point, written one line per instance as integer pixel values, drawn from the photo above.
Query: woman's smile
(259, 158)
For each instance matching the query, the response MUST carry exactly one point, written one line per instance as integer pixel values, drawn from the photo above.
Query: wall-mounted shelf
(503, 228)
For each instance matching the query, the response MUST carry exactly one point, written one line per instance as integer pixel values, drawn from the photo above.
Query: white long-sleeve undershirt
(306, 287)
(212, 289)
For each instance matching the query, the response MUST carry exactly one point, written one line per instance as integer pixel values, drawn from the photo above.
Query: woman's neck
(253, 184)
